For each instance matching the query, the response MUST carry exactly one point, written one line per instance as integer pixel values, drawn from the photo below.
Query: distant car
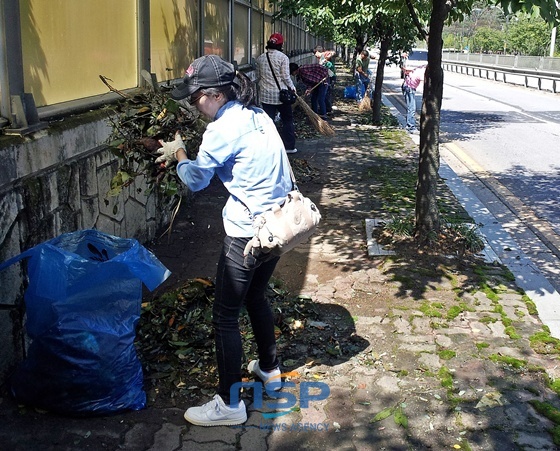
(416, 58)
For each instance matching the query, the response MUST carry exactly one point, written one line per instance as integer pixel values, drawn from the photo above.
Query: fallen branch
(115, 90)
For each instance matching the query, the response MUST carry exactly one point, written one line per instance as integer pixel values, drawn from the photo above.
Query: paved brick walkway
(452, 380)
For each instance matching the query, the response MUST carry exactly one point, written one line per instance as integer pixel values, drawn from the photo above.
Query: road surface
(504, 143)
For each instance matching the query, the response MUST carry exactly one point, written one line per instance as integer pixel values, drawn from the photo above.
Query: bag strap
(294, 184)
(272, 70)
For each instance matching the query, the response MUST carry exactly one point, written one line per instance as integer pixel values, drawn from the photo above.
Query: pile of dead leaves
(175, 339)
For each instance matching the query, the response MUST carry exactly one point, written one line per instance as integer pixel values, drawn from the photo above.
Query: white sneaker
(216, 413)
(271, 380)
(291, 150)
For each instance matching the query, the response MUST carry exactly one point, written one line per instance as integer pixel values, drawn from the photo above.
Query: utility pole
(553, 35)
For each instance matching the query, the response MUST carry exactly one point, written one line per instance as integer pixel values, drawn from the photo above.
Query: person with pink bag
(412, 79)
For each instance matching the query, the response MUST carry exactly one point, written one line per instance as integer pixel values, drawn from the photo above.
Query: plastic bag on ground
(83, 304)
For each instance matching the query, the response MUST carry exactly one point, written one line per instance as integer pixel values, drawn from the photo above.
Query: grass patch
(554, 384)
(549, 411)
(489, 292)
(432, 310)
(511, 361)
(531, 307)
(544, 343)
(487, 320)
(456, 310)
(481, 346)
(446, 377)
(553, 414)
(508, 275)
(512, 333)
(446, 354)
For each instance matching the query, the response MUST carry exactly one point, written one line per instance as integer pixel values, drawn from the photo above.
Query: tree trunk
(427, 212)
(377, 98)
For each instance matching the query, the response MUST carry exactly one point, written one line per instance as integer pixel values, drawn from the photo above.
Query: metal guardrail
(503, 67)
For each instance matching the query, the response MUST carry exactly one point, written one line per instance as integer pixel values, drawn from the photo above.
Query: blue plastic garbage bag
(83, 304)
(350, 92)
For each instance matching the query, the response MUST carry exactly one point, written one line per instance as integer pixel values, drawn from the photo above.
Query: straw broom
(365, 103)
(319, 124)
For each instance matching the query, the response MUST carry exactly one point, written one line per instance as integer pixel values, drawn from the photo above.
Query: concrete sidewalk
(431, 379)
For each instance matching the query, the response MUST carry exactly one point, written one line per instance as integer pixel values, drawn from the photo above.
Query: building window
(173, 37)
(257, 34)
(241, 34)
(216, 28)
(55, 50)
(67, 44)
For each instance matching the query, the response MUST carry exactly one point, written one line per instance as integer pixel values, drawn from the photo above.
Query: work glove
(168, 150)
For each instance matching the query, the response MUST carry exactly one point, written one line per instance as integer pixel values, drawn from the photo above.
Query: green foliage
(529, 37)
(468, 234)
(138, 123)
(547, 9)
(397, 412)
(490, 29)
(400, 226)
(486, 39)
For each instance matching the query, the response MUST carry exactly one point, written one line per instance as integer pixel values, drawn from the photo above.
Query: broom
(365, 103)
(319, 124)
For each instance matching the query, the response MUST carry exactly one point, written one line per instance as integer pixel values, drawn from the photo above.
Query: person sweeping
(315, 77)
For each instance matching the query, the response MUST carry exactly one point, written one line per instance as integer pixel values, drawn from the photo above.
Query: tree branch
(104, 80)
(415, 19)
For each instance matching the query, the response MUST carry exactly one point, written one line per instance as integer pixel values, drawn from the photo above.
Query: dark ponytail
(246, 90)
